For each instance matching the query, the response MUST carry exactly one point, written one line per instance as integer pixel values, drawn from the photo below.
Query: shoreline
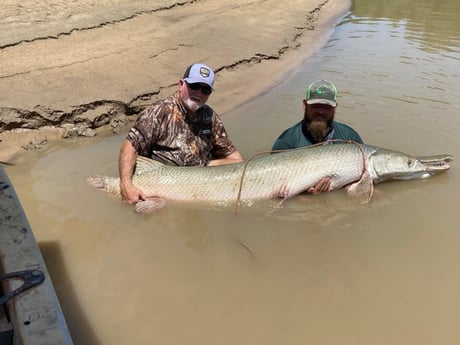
(236, 83)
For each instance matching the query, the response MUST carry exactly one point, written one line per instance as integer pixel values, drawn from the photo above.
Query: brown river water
(320, 270)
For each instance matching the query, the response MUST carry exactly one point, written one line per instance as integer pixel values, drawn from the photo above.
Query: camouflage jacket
(165, 133)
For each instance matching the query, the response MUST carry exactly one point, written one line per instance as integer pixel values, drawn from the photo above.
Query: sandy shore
(75, 70)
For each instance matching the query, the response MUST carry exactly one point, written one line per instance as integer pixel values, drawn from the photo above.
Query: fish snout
(435, 164)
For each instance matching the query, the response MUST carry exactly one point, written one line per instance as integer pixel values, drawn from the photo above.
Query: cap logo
(322, 90)
(205, 72)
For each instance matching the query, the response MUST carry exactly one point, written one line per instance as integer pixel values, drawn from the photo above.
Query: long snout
(437, 163)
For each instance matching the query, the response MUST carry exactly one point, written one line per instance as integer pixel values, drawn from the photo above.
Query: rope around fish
(363, 169)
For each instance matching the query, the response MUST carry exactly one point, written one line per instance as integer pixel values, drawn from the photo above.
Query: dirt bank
(93, 67)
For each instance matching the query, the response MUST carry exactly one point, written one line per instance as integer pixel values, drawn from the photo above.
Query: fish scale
(263, 177)
(283, 174)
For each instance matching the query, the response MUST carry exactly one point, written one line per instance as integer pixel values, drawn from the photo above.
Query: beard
(192, 105)
(318, 129)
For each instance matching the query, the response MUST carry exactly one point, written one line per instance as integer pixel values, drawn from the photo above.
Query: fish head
(388, 164)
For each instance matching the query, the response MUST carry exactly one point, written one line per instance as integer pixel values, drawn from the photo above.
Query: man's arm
(234, 157)
(126, 162)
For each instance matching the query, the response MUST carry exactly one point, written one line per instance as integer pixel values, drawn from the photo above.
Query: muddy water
(317, 271)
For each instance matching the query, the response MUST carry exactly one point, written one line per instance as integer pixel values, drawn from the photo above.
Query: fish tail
(106, 183)
(99, 182)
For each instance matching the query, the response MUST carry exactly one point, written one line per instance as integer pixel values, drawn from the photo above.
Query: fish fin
(98, 181)
(144, 164)
(106, 183)
(149, 205)
(362, 189)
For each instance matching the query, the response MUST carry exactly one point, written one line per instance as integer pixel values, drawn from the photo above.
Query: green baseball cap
(321, 92)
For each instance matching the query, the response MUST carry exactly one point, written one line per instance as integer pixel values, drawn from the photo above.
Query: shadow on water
(73, 309)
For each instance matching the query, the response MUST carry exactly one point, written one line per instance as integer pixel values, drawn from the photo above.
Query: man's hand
(323, 185)
(131, 194)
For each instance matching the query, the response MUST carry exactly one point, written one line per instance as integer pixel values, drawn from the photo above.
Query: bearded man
(178, 130)
(318, 125)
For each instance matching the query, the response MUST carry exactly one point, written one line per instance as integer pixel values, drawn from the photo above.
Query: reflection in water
(432, 24)
(193, 224)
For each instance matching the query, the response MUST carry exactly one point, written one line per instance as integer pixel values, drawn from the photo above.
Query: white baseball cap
(199, 73)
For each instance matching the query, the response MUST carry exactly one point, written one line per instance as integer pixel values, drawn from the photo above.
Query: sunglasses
(205, 89)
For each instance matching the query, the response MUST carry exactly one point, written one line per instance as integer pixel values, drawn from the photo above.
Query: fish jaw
(387, 164)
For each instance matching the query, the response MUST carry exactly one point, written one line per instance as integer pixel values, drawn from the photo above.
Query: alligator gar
(278, 175)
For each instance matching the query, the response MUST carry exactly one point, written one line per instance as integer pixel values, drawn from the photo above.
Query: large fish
(278, 175)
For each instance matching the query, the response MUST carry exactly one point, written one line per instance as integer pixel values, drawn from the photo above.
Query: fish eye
(409, 162)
